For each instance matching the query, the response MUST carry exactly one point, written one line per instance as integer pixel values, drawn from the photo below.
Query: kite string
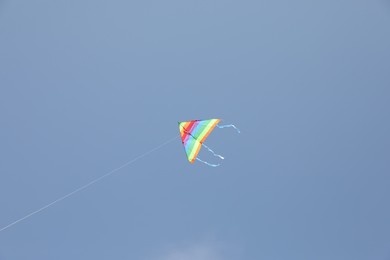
(88, 184)
(224, 126)
(209, 164)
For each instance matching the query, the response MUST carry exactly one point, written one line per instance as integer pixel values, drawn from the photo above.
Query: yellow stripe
(194, 152)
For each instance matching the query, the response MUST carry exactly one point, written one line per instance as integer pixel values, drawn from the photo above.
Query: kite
(193, 133)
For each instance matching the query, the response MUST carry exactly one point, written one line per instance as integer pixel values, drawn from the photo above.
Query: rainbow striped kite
(193, 133)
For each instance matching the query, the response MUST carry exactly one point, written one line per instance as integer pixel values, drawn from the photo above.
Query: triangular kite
(193, 133)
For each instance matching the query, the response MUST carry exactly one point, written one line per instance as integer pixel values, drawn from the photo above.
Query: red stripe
(187, 128)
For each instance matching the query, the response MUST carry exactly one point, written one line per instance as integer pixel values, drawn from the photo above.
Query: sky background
(86, 86)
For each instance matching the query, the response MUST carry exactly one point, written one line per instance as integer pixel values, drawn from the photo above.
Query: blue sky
(86, 86)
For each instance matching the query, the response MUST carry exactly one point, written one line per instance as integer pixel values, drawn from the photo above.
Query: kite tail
(209, 164)
(224, 126)
(217, 155)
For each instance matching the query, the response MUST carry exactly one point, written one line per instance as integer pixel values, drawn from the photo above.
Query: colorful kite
(193, 133)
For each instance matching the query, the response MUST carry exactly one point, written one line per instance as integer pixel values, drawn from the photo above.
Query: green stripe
(206, 129)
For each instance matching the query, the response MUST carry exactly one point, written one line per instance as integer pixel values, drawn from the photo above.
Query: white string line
(88, 184)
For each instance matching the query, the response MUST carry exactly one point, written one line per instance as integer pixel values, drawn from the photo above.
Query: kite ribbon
(217, 155)
(224, 126)
(209, 164)
(208, 148)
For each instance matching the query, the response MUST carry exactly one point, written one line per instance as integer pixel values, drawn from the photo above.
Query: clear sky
(87, 85)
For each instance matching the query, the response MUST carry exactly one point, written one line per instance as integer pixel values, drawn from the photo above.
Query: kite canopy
(193, 133)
